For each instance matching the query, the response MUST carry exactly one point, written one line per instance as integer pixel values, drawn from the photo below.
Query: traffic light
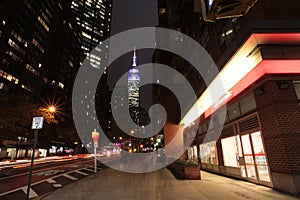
(218, 9)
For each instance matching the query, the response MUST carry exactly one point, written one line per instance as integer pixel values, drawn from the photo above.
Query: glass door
(260, 157)
(248, 155)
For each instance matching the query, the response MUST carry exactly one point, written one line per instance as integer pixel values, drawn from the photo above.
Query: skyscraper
(39, 57)
(133, 90)
(94, 18)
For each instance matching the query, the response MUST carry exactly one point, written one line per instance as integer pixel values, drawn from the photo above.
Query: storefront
(209, 156)
(260, 137)
(246, 154)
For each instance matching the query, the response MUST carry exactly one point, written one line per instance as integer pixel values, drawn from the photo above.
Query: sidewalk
(161, 185)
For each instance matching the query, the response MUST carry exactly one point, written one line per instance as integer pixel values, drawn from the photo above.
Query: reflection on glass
(260, 157)
(231, 151)
(243, 171)
(208, 153)
(249, 161)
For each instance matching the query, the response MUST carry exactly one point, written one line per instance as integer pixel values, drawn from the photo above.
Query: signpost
(95, 136)
(37, 123)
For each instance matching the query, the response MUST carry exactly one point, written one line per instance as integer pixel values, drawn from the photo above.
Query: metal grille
(249, 124)
(228, 131)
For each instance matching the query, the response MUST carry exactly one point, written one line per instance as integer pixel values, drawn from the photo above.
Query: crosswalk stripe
(50, 180)
(79, 172)
(57, 185)
(70, 177)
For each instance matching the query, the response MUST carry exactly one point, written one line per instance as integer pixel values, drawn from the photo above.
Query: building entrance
(255, 164)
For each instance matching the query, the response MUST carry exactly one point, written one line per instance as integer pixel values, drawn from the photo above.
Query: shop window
(248, 155)
(208, 153)
(260, 157)
(232, 151)
(192, 153)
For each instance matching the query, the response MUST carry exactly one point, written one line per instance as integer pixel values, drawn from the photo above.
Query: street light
(52, 109)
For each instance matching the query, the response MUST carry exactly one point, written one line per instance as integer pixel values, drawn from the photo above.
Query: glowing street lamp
(52, 109)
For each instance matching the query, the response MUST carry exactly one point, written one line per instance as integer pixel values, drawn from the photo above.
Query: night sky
(128, 14)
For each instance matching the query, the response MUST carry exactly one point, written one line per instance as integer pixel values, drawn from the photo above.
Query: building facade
(40, 55)
(93, 18)
(258, 58)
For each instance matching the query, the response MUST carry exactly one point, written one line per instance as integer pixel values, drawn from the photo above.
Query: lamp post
(37, 123)
(95, 136)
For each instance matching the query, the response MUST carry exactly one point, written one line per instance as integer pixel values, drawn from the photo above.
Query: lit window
(38, 45)
(27, 88)
(162, 11)
(71, 64)
(32, 70)
(86, 35)
(70, 25)
(1, 86)
(232, 150)
(43, 23)
(45, 80)
(61, 85)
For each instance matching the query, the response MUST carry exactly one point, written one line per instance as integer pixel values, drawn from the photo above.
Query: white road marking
(50, 180)
(57, 185)
(70, 177)
(79, 172)
(32, 193)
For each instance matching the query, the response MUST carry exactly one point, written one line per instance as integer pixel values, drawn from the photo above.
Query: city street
(149, 100)
(48, 174)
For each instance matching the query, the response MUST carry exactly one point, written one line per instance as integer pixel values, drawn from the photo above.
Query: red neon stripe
(264, 67)
(259, 154)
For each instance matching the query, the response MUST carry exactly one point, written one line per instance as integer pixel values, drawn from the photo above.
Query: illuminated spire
(134, 58)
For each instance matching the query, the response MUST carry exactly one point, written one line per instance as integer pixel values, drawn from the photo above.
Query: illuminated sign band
(237, 77)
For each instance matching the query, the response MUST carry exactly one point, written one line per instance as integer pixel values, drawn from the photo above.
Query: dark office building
(258, 58)
(40, 54)
(93, 17)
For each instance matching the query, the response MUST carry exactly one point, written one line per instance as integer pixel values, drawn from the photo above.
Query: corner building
(259, 61)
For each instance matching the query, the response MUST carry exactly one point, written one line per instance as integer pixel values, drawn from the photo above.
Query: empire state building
(133, 90)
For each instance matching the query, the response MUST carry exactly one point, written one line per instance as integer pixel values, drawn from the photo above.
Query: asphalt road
(46, 177)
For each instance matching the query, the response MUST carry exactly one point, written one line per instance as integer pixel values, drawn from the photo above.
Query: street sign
(37, 123)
